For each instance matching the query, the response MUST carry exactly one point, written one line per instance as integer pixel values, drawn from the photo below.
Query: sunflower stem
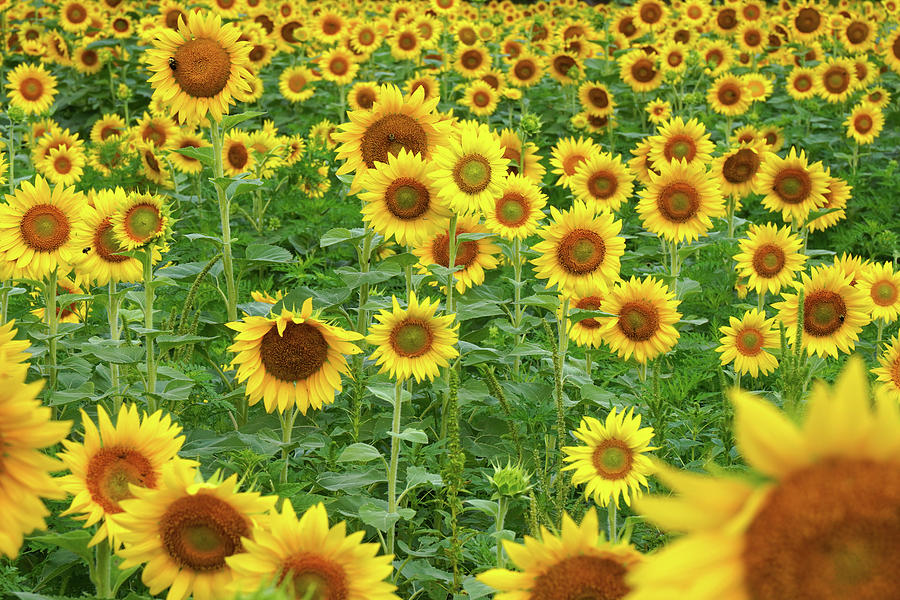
(611, 521)
(147, 259)
(732, 205)
(451, 264)
(52, 326)
(880, 324)
(287, 430)
(395, 458)
(112, 314)
(517, 296)
(101, 570)
(362, 321)
(5, 288)
(761, 301)
(559, 361)
(675, 266)
(11, 150)
(225, 218)
(587, 362)
(502, 507)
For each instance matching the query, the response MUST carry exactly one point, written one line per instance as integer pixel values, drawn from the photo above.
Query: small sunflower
(141, 220)
(63, 165)
(677, 140)
(338, 65)
(792, 186)
(413, 342)
(518, 208)
(737, 169)
(363, 95)
(472, 61)
(596, 99)
(474, 256)
(527, 163)
(152, 164)
(769, 257)
(186, 139)
(31, 88)
(882, 285)
(646, 312)
(836, 197)
(658, 111)
(836, 80)
(237, 154)
(526, 70)
(480, 98)
(888, 371)
(864, 123)
(567, 154)
(585, 332)
(745, 343)
(729, 95)
(801, 83)
(294, 359)
(603, 182)
(469, 169)
(107, 126)
(295, 83)
(640, 71)
(73, 312)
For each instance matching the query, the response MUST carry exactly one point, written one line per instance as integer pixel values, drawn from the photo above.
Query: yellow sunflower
(199, 67)
(36, 228)
(596, 99)
(603, 182)
(567, 154)
(834, 312)
(836, 80)
(313, 560)
(140, 220)
(888, 371)
(62, 165)
(760, 86)
(640, 71)
(882, 285)
(480, 98)
(400, 199)
(613, 463)
(186, 139)
(646, 312)
(413, 341)
(518, 208)
(580, 250)
(864, 123)
(818, 518)
(153, 166)
(184, 529)
(676, 140)
(527, 163)
(746, 341)
(338, 65)
(31, 88)
(801, 83)
(109, 125)
(891, 50)
(836, 197)
(738, 168)
(363, 94)
(792, 186)
(729, 95)
(577, 563)
(658, 111)
(294, 83)
(73, 312)
(680, 201)
(472, 61)
(469, 169)
(111, 459)
(769, 257)
(526, 70)
(474, 256)
(294, 359)
(431, 87)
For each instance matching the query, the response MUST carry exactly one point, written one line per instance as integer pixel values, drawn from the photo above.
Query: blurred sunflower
(567, 154)
(294, 83)
(658, 111)
(729, 95)
(835, 80)
(769, 257)
(480, 98)
(62, 165)
(596, 98)
(526, 70)
(836, 198)
(639, 70)
(338, 66)
(888, 371)
(864, 123)
(801, 83)
(745, 343)
(362, 95)
(237, 156)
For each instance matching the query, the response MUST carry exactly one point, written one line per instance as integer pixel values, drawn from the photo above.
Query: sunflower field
(445, 299)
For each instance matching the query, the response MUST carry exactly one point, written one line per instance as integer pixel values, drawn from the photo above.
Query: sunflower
(109, 125)
(737, 170)
(75, 15)
(679, 202)
(73, 312)
(891, 50)
(62, 165)
(31, 88)
(773, 136)
(751, 37)
(888, 371)
(237, 156)
(329, 25)
(525, 70)
(596, 99)
(580, 250)
(564, 68)
(111, 459)
(658, 111)
(639, 70)
(365, 38)
(717, 55)
(769, 257)
(646, 312)
(26, 428)
(198, 68)
(801, 83)
(394, 122)
(153, 166)
(401, 201)
(294, 359)
(362, 95)
(882, 285)
(641, 165)
(585, 332)
(88, 61)
(186, 139)
(528, 162)
(518, 208)
(338, 66)
(759, 86)
(836, 80)
(836, 197)
(480, 98)
(729, 95)
(858, 34)
(864, 123)
(834, 312)
(474, 256)
(36, 226)
(792, 186)
(677, 140)
(567, 154)
(413, 341)
(184, 531)
(603, 182)
(818, 518)
(140, 220)
(406, 43)
(294, 83)
(159, 131)
(745, 343)
(577, 563)
(431, 87)
(807, 21)
(317, 561)
(673, 57)
(468, 170)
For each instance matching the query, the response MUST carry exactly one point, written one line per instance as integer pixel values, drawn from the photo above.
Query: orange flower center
(884, 293)
(678, 202)
(638, 320)
(44, 228)
(749, 341)
(512, 209)
(407, 198)
(581, 251)
(741, 166)
(31, 88)
(793, 185)
(602, 184)
(768, 261)
(315, 577)
(111, 470)
(472, 173)
(823, 313)
(200, 531)
(411, 338)
(202, 67)
(105, 244)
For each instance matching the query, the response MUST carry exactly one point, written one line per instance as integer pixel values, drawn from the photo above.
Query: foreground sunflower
(645, 315)
(580, 251)
(113, 458)
(819, 521)
(185, 529)
(294, 359)
(679, 202)
(888, 371)
(792, 186)
(745, 343)
(834, 312)
(313, 560)
(613, 463)
(769, 257)
(199, 67)
(469, 169)
(413, 341)
(576, 564)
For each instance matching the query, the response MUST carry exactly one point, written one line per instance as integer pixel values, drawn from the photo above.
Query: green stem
(362, 320)
(517, 296)
(52, 327)
(102, 582)
(148, 325)
(587, 362)
(675, 267)
(11, 149)
(451, 264)
(732, 204)
(559, 379)
(395, 458)
(112, 313)
(287, 430)
(225, 218)
(611, 519)
(761, 301)
(502, 507)
(880, 323)
(5, 288)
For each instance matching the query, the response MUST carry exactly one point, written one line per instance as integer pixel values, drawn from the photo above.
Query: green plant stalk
(148, 324)
(494, 387)
(675, 266)
(761, 301)
(451, 264)
(362, 317)
(587, 362)
(11, 149)
(52, 328)
(611, 522)
(559, 361)
(502, 507)
(287, 430)
(101, 570)
(112, 314)
(732, 204)
(880, 323)
(517, 295)
(225, 219)
(5, 289)
(395, 459)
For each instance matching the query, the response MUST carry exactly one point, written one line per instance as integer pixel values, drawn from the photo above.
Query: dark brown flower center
(202, 67)
(31, 88)
(602, 184)
(200, 531)
(729, 94)
(807, 20)
(237, 155)
(524, 70)
(823, 313)
(314, 577)
(638, 320)
(741, 166)
(678, 202)
(836, 79)
(792, 185)
(581, 577)
(407, 198)
(589, 303)
(466, 252)
(863, 123)
(768, 261)
(105, 244)
(388, 135)
(296, 355)
(643, 70)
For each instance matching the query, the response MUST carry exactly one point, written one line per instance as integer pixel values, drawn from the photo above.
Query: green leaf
(414, 436)
(204, 155)
(75, 541)
(339, 234)
(359, 452)
(381, 519)
(268, 253)
(416, 476)
(232, 120)
(580, 315)
(345, 481)
(239, 186)
(485, 506)
(471, 237)
(171, 341)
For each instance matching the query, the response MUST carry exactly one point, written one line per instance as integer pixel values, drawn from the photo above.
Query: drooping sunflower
(469, 169)
(792, 186)
(184, 530)
(738, 168)
(567, 154)
(834, 311)
(729, 95)
(864, 123)
(745, 343)
(293, 359)
(394, 122)
(639, 70)
(836, 197)
(677, 140)
(199, 66)
(769, 257)
(112, 458)
(413, 342)
(576, 563)
(679, 202)
(401, 201)
(888, 371)
(882, 285)
(835, 80)
(817, 520)
(474, 256)
(36, 228)
(646, 312)
(580, 250)
(62, 165)
(311, 559)
(31, 88)
(603, 182)
(141, 220)
(294, 83)
(518, 208)
(613, 463)
(153, 166)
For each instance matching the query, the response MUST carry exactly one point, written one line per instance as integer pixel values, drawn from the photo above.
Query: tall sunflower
(680, 201)
(677, 140)
(313, 560)
(580, 250)
(769, 257)
(413, 342)
(819, 518)
(645, 314)
(745, 343)
(603, 182)
(199, 66)
(888, 371)
(184, 530)
(469, 169)
(294, 359)
(112, 458)
(474, 256)
(31, 88)
(518, 208)
(792, 186)
(613, 463)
